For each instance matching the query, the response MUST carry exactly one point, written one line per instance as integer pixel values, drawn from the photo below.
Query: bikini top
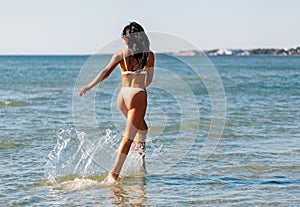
(133, 72)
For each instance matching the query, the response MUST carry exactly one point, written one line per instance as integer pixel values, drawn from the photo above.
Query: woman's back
(132, 75)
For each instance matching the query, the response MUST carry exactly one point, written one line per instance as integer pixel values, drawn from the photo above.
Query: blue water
(46, 161)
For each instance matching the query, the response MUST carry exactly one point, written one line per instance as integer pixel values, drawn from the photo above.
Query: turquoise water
(46, 161)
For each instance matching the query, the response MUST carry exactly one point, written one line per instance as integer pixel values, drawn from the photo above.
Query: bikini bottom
(129, 92)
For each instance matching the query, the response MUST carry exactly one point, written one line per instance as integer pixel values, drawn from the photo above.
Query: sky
(84, 26)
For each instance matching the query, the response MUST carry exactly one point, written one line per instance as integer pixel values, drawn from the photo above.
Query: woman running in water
(137, 68)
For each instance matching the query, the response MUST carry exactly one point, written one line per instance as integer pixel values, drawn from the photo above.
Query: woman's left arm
(103, 74)
(150, 70)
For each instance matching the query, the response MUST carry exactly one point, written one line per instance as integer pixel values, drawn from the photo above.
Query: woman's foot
(111, 178)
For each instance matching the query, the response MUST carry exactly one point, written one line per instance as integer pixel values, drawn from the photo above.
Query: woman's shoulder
(118, 53)
(151, 55)
(121, 53)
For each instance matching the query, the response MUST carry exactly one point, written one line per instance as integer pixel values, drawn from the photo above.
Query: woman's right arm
(103, 74)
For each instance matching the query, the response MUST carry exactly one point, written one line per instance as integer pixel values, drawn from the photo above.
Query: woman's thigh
(121, 105)
(137, 110)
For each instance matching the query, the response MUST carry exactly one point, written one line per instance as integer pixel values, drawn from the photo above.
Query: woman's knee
(125, 145)
(127, 140)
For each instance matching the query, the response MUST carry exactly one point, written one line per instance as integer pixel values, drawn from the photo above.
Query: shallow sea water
(46, 161)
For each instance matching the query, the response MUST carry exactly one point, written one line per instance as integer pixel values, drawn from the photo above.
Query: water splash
(77, 183)
(70, 155)
(80, 155)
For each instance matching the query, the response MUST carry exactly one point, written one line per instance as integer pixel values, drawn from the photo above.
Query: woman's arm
(150, 70)
(103, 74)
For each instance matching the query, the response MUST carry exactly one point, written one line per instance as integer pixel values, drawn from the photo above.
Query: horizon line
(89, 54)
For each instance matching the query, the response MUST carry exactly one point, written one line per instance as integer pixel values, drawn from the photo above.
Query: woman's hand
(83, 90)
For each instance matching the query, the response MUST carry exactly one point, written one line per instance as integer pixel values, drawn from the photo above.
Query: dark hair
(138, 43)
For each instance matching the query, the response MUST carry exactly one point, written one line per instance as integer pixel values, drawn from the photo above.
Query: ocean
(227, 136)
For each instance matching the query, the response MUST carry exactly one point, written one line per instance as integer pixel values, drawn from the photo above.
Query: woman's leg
(140, 138)
(135, 119)
(121, 104)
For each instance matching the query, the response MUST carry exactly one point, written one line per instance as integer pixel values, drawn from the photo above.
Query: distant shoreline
(240, 52)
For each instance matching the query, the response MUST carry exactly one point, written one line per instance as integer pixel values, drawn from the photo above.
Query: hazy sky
(83, 26)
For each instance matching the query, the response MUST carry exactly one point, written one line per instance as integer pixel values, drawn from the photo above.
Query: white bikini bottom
(129, 92)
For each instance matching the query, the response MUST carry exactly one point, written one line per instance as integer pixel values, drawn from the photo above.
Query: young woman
(137, 68)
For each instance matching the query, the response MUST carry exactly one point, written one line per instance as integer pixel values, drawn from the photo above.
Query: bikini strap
(124, 60)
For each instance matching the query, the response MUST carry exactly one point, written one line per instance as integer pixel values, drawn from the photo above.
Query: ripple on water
(6, 145)
(13, 103)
